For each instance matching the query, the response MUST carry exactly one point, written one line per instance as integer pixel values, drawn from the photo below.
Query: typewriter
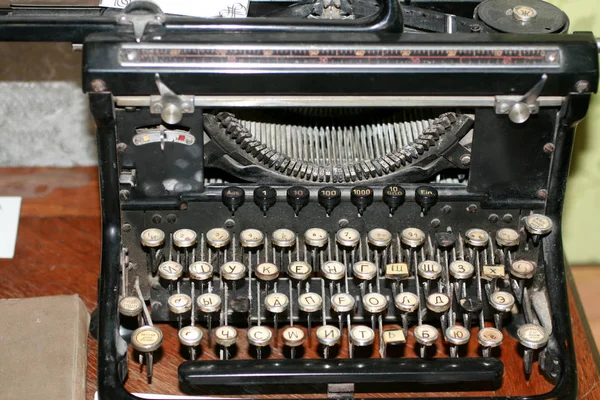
(332, 198)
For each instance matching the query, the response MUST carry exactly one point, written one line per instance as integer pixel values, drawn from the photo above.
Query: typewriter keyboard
(339, 289)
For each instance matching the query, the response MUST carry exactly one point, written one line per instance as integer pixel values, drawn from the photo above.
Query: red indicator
(181, 138)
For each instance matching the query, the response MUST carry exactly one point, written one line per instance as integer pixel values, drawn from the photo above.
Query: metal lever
(519, 109)
(168, 104)
(140, 14)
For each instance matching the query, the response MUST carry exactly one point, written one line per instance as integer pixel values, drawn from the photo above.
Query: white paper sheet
(194, 8)
(10, 209)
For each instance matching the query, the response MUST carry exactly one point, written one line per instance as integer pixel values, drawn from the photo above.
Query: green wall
(581, 220)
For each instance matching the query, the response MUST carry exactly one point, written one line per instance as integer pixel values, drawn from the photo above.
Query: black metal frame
(112, 363)
(102, 36)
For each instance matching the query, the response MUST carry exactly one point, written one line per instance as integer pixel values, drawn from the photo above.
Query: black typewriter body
(414, 171)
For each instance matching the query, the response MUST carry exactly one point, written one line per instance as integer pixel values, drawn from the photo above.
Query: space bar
(305, 371)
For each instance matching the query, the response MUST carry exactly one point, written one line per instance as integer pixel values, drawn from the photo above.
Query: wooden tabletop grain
(58, 252)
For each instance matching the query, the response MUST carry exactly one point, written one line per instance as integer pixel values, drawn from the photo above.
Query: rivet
(98, 85)
(582, 86)
(549, 148)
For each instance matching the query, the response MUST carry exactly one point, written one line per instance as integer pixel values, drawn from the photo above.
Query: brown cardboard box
(43, 348)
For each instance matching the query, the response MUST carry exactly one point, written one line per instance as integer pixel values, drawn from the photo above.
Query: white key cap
(328, 335)
(502, 301)
(477, 237)
(310, 302)
(374, 303)
(201, 270)
(347, 237)
(209, 302)
(394, 337)
(190, 336)
(283, 238)
(460, 269)
(364, 270)
(532, 336)
(152, 237)
(146, 339)
(457, 335)
(226, 335)
(426, 335)
(438, 302)
(379, 237)
(413, 237)
(179, 303)
(218, 237)
(490, 337)
(342, 302)
(538, 224)
(293, 336)
(333, 270)
(259, 336)
(507, 237)
(276, 302)
(407, 302)
(316, 237)
(130, 306)
(233, 271)
(267, 271)
(523, 269)
(251, 238)
(299, 270)
(170, 270)
(429, 269)
(184, 238)
(361, 335)
(396, 271)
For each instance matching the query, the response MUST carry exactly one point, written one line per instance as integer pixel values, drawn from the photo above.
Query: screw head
(465, 159)
(582, 86)
(542, 194)
(549, 148)
(156, 108)
(186, 106)
(98, 85)
(472, 208)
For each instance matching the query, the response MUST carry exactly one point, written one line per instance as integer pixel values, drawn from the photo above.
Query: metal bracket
(140, 14)
(162, 135)
(128, 177)
(519, 108)
(340, 391)
(169, 105)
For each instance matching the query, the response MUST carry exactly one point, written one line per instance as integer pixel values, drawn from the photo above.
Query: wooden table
(58, 252)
